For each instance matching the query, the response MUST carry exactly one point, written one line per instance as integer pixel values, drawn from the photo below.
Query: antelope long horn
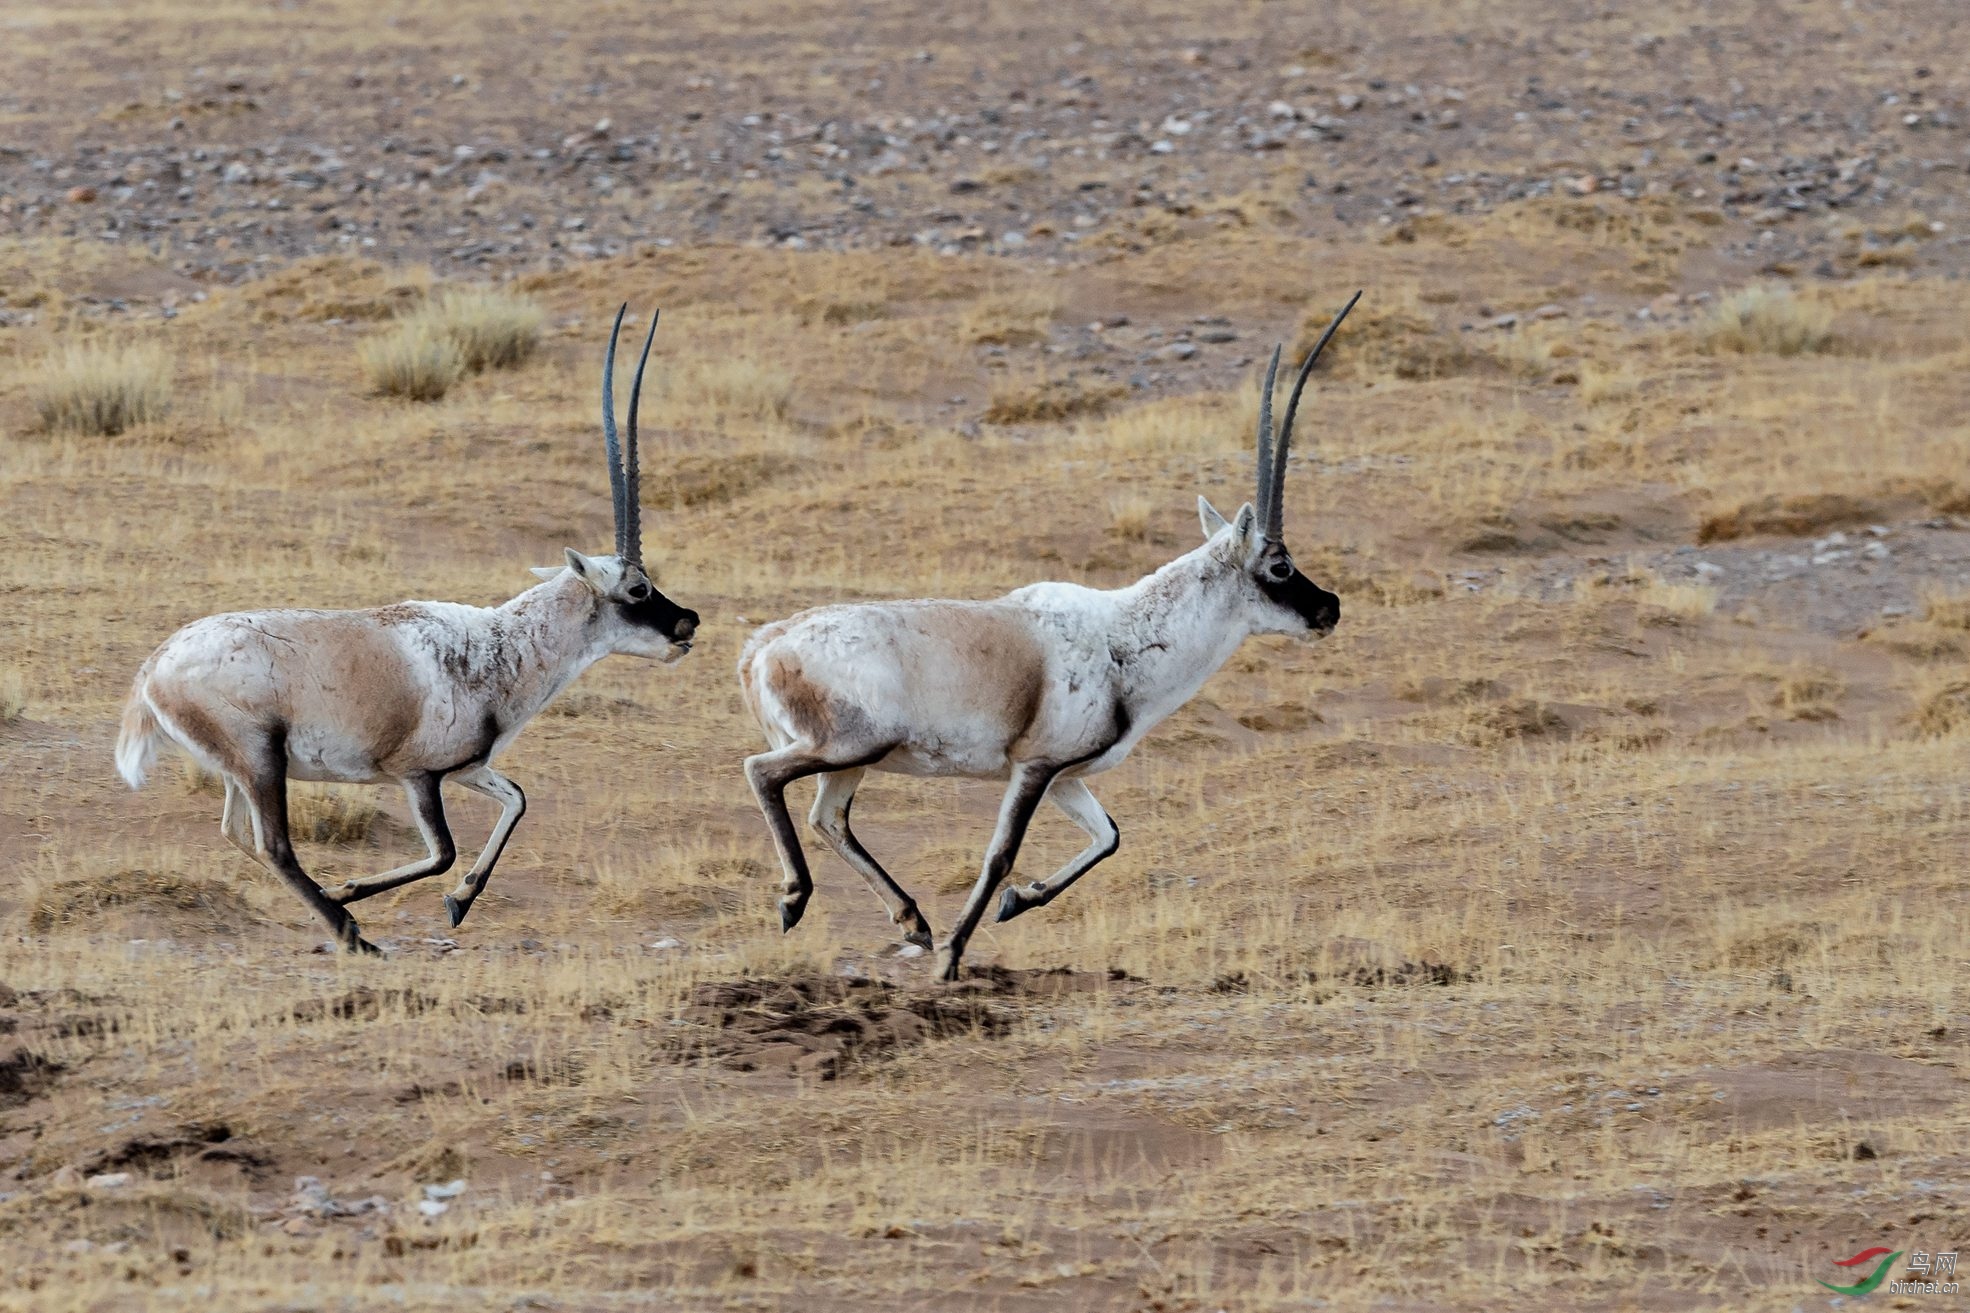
(1276, 489)
(609, 433)
(632, 478)
(1265, 435)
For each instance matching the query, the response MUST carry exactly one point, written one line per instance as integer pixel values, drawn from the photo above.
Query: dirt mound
(163, 1155)
(166, 902)
(24, 1075)
(819, 1026)
(365, 1004)
(1796, 516)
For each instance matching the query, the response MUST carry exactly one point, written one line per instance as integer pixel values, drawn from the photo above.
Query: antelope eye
(638, 591)
(1280, 570)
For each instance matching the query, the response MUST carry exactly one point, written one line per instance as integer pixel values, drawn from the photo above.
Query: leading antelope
(418, 693)
(1043, 687)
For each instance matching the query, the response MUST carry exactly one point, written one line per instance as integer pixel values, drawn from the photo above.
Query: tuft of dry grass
(1946, 609)
(416, 360)
(1808, 693)
(320, 814)
(1767, 319)
(492, 329)
(1047, 400)
(1016, 318)
(1680, 601)
(1129, 515)
(100, 389)
(13, 693)
(1942, 707)
(1601, 383)
(741, 387)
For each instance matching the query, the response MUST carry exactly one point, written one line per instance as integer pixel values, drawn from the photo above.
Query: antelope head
(1280, 600)
(635, 619)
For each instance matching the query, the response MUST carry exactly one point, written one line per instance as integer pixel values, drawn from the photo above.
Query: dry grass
(416, 360)
(13, 693)
(492, 329)
(1772, 320)
(1047, 399)
(1553, 936)
(325, 814)
(1011, 318)
(101, 389)
(1946, 608)
(1129, 516)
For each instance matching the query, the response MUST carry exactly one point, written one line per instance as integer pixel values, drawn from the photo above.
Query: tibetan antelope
(1043, 687)
(419, 693)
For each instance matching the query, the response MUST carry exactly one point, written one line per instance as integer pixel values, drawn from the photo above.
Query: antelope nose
(687, 625)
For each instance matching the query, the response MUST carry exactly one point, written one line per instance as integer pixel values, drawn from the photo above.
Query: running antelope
(1043, 687)
(419, 693)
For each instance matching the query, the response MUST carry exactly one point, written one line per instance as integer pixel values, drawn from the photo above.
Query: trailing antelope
(418, 692)
(1043, 687)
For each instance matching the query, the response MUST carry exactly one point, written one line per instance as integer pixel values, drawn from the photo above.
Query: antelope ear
(1207, 515)
(547, 571)
(586, 570)
(1246, 523)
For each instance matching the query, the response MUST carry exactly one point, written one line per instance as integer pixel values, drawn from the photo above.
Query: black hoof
(456, 910)
(920, 937)
(361, 947)
(1010, 904)
(791, 911)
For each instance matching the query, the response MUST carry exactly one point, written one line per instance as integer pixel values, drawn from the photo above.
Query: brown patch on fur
(193, 722)
(805, 701)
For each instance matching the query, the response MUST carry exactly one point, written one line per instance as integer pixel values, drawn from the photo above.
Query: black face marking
(655, 611)
(1320, 609)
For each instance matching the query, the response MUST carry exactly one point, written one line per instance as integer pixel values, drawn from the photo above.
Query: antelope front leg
(512, 806)
(1022, 798)
(429, 809)
(1078, 801)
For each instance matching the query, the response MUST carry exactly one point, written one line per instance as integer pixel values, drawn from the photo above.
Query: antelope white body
(1043, 687)
(418, 692)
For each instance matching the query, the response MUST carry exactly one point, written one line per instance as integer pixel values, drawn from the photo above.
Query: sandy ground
(1583, 925)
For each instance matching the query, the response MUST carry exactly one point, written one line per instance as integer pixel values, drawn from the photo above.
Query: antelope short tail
(136, 744)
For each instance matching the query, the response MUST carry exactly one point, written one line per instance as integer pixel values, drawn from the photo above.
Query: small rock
(109, 1180)
(432, 1207)
(910, 950)
(666, 943)
(449, 1190)
(297, 1226)
(81, 195)
(65, 1178)
(1178, 351)
(1550, 311)
(1162, 147)
(1217, 335)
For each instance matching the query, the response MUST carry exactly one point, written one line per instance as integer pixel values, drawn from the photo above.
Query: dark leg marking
(832, 803)
(1073, 797)
(1022, 798)
(429, 809)
(266, 794)
(513, 805)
